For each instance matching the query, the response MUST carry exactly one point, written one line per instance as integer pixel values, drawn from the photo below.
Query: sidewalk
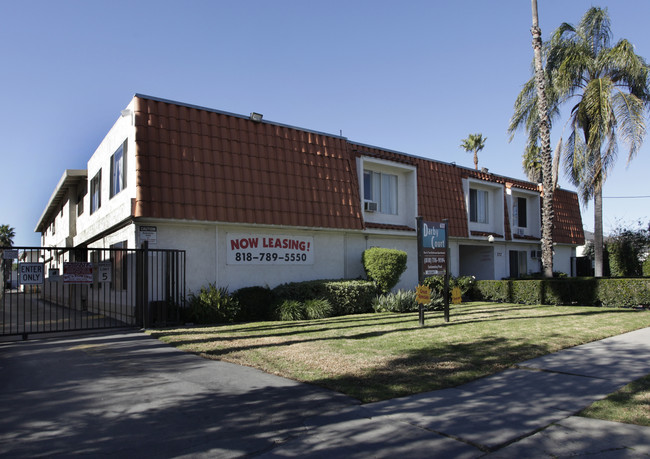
(128, 395)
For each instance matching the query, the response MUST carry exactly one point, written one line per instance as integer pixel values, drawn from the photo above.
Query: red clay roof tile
(200, 164)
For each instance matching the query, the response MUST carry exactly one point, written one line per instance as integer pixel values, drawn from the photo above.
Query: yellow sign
(456, 296)
(423, 294)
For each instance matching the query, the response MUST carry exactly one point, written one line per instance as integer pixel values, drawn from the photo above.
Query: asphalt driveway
(125, 394)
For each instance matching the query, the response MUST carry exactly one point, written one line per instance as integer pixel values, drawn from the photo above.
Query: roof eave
(69, 178)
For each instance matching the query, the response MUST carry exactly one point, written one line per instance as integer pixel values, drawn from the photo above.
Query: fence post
(142, 285)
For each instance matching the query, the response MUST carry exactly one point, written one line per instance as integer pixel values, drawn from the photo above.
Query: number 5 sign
(105, 273)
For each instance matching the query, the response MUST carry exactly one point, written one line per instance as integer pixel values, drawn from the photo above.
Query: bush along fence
(293, 301)
(570, 291)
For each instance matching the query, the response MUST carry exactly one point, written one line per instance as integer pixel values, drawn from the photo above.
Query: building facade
(261, 203)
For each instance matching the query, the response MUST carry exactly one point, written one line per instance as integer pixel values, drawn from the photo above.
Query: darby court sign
(433, 244)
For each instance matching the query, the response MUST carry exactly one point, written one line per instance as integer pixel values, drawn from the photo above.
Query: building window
(96, 192)
(518, 263)
(80, 204)
(118, 171)
(478, 206)
(520, 212)
(119, 265)
(381, 188)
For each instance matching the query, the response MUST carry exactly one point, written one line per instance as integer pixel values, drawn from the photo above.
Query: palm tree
(611, 89)
(474, 143)
(546, 157)
(534, 107)
(7, 235)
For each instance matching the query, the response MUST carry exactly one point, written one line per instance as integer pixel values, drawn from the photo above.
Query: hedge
(573, 291)
(345, 296)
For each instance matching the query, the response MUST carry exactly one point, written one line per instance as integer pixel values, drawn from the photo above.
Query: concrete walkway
(128, 395)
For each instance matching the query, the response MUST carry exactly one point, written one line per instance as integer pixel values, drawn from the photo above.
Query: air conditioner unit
(535, 254)
(370, 206)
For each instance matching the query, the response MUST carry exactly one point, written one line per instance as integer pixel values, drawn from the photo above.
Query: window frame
(383, 188)
(96, 192)
(522, 216)
(474, 206)
(118, 174)
(119, 266)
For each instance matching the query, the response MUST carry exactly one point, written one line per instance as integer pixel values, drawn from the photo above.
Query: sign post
(420, 267)
(433, 256)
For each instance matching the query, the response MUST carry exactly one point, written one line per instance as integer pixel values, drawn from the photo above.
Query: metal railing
(57, 289)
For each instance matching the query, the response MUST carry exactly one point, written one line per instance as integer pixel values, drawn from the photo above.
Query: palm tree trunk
(598, 232)
(476, 159)
(546, 155)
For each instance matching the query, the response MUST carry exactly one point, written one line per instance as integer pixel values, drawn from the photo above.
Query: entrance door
(518, 263)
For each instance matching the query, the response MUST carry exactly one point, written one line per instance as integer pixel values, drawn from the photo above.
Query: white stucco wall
(336, 254)
(116, 209)
(562, 258)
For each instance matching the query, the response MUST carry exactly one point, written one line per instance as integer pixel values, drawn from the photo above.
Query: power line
(625, 197)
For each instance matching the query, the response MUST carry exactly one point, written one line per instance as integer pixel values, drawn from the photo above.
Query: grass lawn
(631, 405)
(380, 356)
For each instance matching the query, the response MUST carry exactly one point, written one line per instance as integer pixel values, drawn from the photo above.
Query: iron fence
(59, 289)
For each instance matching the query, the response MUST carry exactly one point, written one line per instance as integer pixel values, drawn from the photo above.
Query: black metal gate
(46, 290)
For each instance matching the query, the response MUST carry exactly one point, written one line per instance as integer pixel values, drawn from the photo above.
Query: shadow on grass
(436, 364)
(434, 367)
(315, 327)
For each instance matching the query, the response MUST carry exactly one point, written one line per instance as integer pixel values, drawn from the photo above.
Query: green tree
(7, 234)
(473, 144)
(627, 246)
(608, 86)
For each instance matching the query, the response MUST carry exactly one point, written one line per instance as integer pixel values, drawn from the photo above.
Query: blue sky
(412, 76)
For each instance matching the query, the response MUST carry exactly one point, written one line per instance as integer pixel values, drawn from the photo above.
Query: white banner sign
(247, 249)
(77, 272)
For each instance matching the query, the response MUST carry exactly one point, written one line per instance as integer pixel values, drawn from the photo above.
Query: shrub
(318, 308)
(344, 296)
(255, 303)
(400, 301)
(580, 291)
(350, 296)
(646, 266)
(291, 310)
(437, 286)
(211, 305)
(384, 266)
(626, 245)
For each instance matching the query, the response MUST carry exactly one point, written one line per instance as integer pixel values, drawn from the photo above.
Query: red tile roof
(567, 222)
(195, 163)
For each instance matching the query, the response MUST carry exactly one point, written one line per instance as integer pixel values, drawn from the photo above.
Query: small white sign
(9, 254)
(149, 234)
(105, 272)
(30, 273)
(53, 274)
